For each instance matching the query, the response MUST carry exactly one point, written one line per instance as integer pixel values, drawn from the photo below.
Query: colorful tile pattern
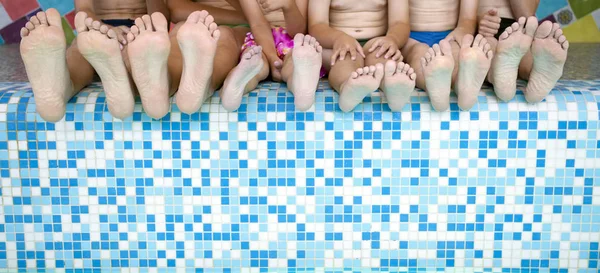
(577, 9)
(507, 187)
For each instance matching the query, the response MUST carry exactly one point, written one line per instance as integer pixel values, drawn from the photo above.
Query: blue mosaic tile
(507, 187)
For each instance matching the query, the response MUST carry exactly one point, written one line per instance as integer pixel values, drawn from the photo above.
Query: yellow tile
(583, 30)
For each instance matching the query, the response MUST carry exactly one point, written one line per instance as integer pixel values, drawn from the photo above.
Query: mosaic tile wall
(580, 18)
(504, 188)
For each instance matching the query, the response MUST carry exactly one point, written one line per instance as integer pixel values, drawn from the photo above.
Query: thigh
(372, 59)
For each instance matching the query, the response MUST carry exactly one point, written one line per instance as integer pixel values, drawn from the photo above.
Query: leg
(252, 69)
(474, 62)
(513, 44)
(99, 46)
(549, 50)
(228, 54)
(301, 69)
(55, 73)
(412, 52)
(526, 66)
(148, 49)
(398, 79)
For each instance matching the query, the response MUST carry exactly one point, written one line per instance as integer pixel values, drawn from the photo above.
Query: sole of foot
(438, 65)
(99, 46)
(197, 39)
(307, 57)
(513, 44)
(361, 83)
(398, 83)
(43, 50)
(148, 48)
(233, 89)
(474, 61)
(549, 51)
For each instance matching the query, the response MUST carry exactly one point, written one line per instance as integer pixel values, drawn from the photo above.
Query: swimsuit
(119, 22)
(429, 37)
(504, 23)
(283, 44)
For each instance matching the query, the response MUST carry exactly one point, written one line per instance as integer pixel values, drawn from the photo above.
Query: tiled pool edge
(367, 180)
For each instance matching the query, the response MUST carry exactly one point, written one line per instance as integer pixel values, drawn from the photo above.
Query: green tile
(68, 31)
(582, 8)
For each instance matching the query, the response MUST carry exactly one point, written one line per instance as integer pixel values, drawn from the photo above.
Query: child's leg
(474, 61)
(434, 68)
(253, 68)
(398, 80)
(44, 51)
(301, 70)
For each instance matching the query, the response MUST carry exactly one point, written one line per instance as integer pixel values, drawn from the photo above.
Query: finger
(360, 49)
(334, 57)
(375, 45)
(382, 50)
(353, 54)
(343, 53)
(397, 56)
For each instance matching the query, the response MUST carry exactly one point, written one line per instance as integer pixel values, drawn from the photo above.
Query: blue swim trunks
(429, 37)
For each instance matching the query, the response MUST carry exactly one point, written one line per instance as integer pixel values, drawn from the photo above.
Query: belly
(371, 24)
(433, 15)
(120, 9)
(503, 7)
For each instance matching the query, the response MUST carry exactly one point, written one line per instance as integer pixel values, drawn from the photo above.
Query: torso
(119, 9)
(223, 4)
(503, 7)
(434, 15)
(361, 19)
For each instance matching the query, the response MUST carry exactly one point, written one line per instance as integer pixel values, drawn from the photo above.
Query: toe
(212, 27)
(209, 20)
(544, 30)
(53, 18)
(565, 45)
(29, 26)
(423, 62)
(489, 54)
(558, 33)
(24, 32)
(406, 68)
(467, 41)
(378, 73)
(34, 20)
(140, 24)
(89, 22)
(312, 41)
(202, 16)
(437, 50)
(247, 55)
(446, 48)
(483, 42)
(96, 25)
(160, 22)
(413, 76)
(257, 50)
(42, 17)
(410, 71)
(522, 21)
(130, 37)
(306, 40)
(103, 29)
(531, 26)
(135, 30)
(360, 70)
(216, 34)
(427, 57)
(80, 18)
(390, 67)
(555, 28)
(486, 47)
(354, 75)
(561, 39)
(194, 17)
(298, 39)
(148, 22)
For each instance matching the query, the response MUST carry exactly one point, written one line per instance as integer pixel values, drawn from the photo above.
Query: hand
(275, 65)
(272, 5)
(387, 48)
(122, 32)
(456, 35)
(489, 25)
(345, 45)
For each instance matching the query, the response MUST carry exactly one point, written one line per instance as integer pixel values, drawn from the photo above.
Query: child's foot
(233, 89)
(438, 65)
(101, 49)
(549, 51)
(512, 46)
(197, 39)
(148, 48)
(43, 49)
(475, 58)
(361, 83)
(307, 67)
(398, 83)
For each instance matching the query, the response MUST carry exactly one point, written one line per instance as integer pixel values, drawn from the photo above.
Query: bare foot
(43, 49)
(148, 49)
(512, 46)
(233, 89)
(99, 46)
(549, 51)
(398, 83)
(197, 39)
(307, 66)
(361, 83)
(475, 58)
(438, 65)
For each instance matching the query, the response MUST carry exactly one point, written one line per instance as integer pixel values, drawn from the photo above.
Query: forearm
(524, 8)
(399, 33)
(325, 34)
(469, 25)
(264, 37)
(180, 10)
(153, 6)
(294, 21)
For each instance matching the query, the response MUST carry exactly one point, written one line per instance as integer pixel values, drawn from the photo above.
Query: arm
(524, 8)
(181, 9)
(467, 22)
(295, 17)
(153, 6)
(398, 21)
(318, 23)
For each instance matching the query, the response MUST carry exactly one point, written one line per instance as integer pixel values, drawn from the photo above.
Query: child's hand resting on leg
(387, 48)
(344, 45)
(272, 5)
(489, 25)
